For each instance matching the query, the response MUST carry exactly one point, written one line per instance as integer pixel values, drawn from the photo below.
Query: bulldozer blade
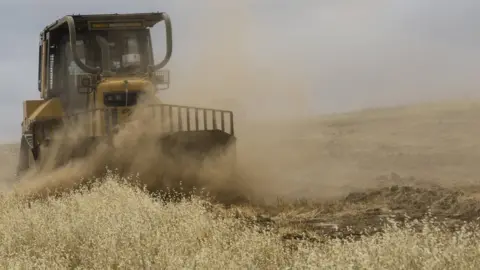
(179, 149)
(177, 167)
(197, 144)
(186, 153)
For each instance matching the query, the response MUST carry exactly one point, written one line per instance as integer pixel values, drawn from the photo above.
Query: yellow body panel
(100, 125)
(118, 84)
(125, 84)
(35, 110)
(29, 106)
(51, 108)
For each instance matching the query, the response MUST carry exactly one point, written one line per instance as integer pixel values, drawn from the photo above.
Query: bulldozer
(96, 67)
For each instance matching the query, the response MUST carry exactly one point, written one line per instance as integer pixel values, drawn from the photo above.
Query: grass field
(378, 189)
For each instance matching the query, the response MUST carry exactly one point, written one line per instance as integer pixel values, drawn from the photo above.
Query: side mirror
(85, 84)
(161, 79)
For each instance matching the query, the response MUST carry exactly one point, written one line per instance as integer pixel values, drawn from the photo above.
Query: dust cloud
(270, 99)
(282, 149)
(358, 55)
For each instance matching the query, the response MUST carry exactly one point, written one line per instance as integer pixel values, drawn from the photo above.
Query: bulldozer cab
(77, 52)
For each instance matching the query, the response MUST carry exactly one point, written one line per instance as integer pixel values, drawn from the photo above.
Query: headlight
(85, 83)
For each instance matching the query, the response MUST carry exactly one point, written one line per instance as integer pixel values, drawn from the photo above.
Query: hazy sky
(325, 55)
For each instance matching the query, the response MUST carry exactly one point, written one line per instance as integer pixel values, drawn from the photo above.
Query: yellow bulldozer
(96, 67)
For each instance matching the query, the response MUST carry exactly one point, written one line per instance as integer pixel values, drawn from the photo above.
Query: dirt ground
(367, 212)
(342, 175)
(362, 169)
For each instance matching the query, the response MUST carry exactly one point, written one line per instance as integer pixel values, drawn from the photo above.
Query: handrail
(168, 34)
(219, 119)
(73, 47)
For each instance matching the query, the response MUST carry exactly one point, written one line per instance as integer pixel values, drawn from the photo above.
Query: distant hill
(437, 142)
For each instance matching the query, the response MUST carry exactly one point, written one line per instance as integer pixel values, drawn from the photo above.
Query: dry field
(378, 189)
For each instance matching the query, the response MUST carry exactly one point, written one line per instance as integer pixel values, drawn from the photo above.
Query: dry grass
(117, 226)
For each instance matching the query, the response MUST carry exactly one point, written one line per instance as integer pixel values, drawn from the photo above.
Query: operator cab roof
(121, 21)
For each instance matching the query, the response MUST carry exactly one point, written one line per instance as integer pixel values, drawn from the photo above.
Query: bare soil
(367, 212)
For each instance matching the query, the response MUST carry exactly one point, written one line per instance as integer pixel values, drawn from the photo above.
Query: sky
(276, 57)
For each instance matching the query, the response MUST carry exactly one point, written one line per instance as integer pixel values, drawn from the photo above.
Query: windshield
(125, 52)
(128, 50)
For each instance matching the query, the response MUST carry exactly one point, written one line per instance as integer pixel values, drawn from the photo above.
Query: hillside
(335, 154)
(434, 142)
